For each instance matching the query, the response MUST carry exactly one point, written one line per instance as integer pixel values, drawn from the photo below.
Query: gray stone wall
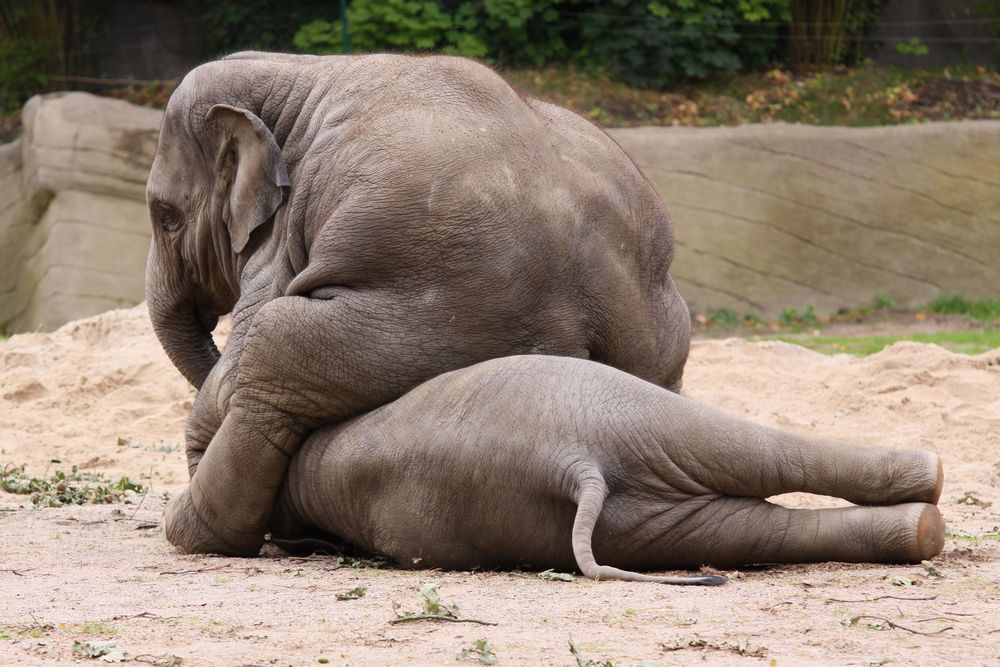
(74, 232)
(767, 216)
(775, 216)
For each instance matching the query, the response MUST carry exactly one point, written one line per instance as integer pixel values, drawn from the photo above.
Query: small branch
(145, 614)
(433, 617)
(156, 660)
(883, 597)
(897, 626)
(201, 569)
(139, 505)
(18, 573)
(775, 605)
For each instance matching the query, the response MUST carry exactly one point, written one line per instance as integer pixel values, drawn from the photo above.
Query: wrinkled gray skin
(560, 462)
(372, 222)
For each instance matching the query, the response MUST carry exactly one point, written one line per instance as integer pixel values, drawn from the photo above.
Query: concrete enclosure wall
(767, 216)
(776, 216)
(74, 232)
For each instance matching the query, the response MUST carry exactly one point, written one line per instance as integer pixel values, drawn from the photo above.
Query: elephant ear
(250, 165)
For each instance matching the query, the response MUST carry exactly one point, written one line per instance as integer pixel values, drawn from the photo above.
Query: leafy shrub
(724, 317)
(319, 36)
(884, 301)
(652, 43)
(791, 317)
(231, 25)
(31, 49)
(985, 310)
(514, 31)
(379, 25)
(397, 24)
(657, 43)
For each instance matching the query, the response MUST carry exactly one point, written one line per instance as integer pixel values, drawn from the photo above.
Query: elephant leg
(593, 491)
(305, 362)
(207, 413)
(740, 458)
(729, 532)
(653, 346)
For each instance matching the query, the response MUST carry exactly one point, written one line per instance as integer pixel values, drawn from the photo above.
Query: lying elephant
(557, 462)
(373, 222)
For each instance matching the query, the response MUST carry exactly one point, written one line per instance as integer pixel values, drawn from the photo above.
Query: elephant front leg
(305, 362)
(227, 506)
(208, 412)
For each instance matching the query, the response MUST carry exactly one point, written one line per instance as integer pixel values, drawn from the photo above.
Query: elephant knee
(289, 369)
(273, 346)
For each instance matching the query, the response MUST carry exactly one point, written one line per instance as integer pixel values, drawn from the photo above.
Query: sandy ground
(100, 394)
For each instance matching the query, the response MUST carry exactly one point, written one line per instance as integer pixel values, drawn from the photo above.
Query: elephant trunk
(183, 327)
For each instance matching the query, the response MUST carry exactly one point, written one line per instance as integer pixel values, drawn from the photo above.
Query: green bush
(31, 49)
(657, 43)
(985, 310)
(233, 25)
(724, 317)
(380, 25)
(652, 43)
(950, 304)
(516, 32)
(397, 25)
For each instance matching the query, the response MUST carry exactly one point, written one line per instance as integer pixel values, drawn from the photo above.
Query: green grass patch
(984, 310)
(989, 536)
(964, 342)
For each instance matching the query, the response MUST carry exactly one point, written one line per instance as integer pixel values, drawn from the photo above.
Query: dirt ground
(100, 394)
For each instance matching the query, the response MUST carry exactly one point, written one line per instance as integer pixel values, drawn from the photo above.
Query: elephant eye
(167, 216)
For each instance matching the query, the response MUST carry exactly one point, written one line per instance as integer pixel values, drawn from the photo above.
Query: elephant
(559, 462)
(371, 222)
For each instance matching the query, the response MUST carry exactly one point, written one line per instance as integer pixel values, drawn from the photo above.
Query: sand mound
(96, 393)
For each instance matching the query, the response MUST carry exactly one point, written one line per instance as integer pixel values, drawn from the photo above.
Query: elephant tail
(591, 494)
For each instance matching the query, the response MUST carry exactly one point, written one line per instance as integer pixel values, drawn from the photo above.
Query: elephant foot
(939, 478)
(185, 528)
(929, 534)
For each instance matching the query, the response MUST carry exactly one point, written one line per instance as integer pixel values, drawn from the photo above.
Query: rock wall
(74, 232)
(767, 216)
(775, 216)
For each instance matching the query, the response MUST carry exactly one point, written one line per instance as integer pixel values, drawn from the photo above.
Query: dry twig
(435, 617)
(897, 626)
(883, 597)
(201, 569)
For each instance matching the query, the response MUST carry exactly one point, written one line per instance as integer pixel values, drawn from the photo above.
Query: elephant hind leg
(740, 458)
(732, 531)
(592, 491)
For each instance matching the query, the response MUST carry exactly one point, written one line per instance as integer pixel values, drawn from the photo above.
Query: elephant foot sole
(929, 534)
(939, 479)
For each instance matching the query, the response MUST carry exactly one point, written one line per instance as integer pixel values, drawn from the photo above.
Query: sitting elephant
(560, 462)
(372, 222)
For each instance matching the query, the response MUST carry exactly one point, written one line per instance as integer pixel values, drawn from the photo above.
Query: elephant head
(218, 175)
